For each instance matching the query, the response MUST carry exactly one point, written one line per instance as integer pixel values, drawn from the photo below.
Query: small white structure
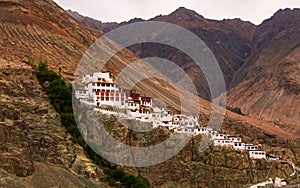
(256, 154)
(216, 135)
(161, 110)
(235, 139)
(204, 130)
(273, 157)
(139, 114)
(146, 101)
(279, 182)
(97, 77)
(166, 118)
(81, 94)
(239, 145)
(223, 142)
(162, 114)
(132, 105)
(263, 184)
(251, 147)
(179, 117)
(187, 130)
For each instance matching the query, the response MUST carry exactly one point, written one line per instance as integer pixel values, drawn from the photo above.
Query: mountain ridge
(229, 41)
(260, 43)
(269, 78)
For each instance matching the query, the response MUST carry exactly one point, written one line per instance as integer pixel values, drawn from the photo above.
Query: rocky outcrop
(213, 167)
(32, 138)
(46, 175)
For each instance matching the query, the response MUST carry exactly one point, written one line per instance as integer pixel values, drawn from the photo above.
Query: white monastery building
(99, 89)
(257, 154)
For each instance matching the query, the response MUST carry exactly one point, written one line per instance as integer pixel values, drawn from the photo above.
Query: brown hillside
(229, 40)
(42, 30)
(271, 84)
(34, 144)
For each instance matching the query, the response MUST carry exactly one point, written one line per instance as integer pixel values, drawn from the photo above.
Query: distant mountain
(229, 40)
(96, 24)
(260, 63)
(269, 80)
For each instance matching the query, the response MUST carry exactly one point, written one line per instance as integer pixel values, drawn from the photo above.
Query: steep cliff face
(215, 166)
(270, 82)
(35, 147)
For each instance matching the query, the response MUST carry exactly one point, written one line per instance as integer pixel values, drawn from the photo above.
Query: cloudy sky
(122, 10)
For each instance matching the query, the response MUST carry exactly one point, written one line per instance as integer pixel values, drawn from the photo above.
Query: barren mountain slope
(228, 34)
(229, 40)
(271, 84)
(42, 30)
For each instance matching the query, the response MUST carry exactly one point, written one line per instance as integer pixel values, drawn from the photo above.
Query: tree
(43, 66)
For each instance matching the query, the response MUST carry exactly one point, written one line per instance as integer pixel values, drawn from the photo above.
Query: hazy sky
(123, 10)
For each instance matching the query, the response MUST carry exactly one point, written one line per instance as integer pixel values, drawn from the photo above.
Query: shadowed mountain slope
(270, 81)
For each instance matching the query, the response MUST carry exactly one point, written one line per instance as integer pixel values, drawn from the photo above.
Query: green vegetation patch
(60, 95)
